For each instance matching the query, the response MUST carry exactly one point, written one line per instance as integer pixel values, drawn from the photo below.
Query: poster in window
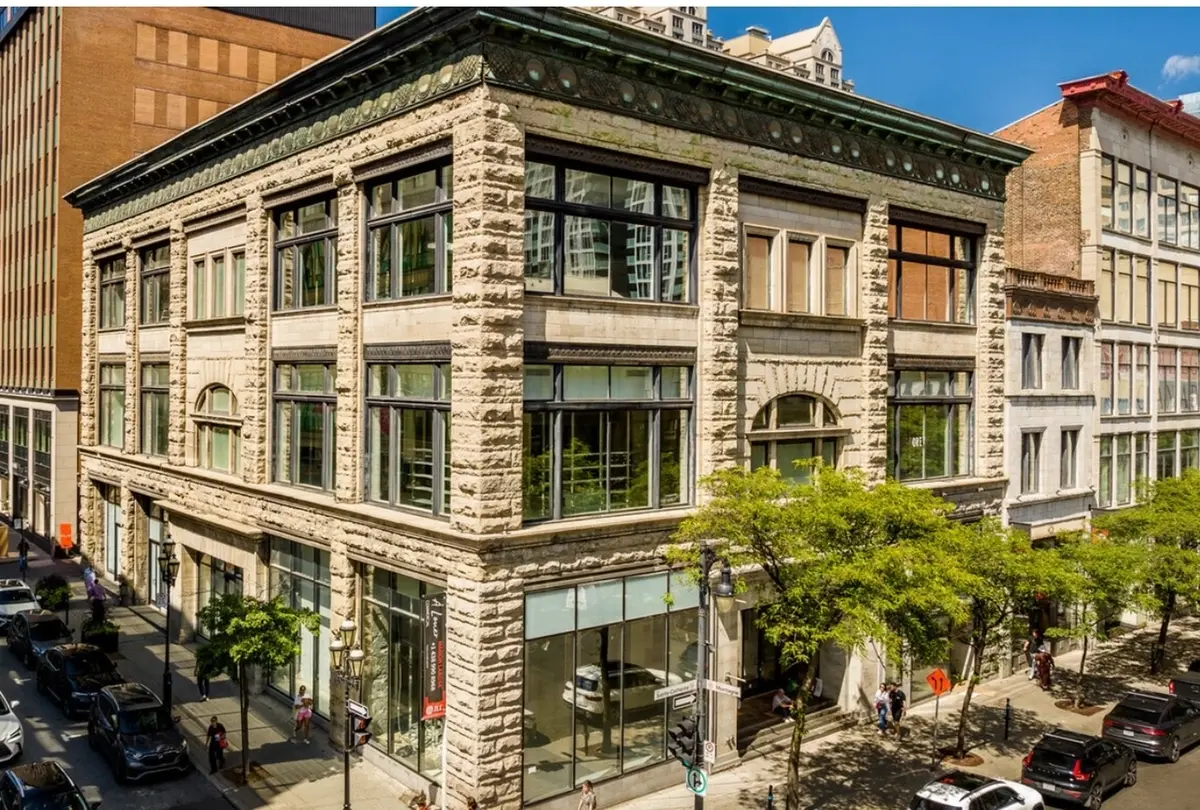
(433, 621)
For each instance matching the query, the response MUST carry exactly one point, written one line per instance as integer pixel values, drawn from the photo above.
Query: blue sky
(987, 67)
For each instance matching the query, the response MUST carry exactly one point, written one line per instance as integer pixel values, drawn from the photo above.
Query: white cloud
(1178, 67)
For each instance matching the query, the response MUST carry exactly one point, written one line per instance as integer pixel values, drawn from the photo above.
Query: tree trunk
(606, 707)
(800, 715)
(244, 701)
(978, 645)
(1079, 693)
(1159, 653)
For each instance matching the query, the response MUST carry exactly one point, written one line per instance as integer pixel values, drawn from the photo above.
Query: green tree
(247, 633)
(848, 565)
(1101, 575)
(1167, 526)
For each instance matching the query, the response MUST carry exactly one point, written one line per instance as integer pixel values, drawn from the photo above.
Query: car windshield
(14, 595)
(145, 721)
(61, 801)
(920, 803)
(1136, 714)
(89, 664)
(49, 630)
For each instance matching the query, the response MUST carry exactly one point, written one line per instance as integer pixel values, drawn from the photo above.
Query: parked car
(32, 632)
(72, 674)
(636, 693)
(1154, 723)
(959, 790)
(15, 596)
(12, 732)
(41, 785)
(1186, 684)
(1078, 767)
(129, 725)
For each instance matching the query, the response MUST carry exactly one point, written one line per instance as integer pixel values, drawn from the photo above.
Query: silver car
(15, 596)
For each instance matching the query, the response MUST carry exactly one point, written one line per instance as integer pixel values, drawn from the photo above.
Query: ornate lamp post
(348, 661)
(168, 568)
(724, 591)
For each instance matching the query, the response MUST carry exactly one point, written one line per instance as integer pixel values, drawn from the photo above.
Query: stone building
(85, 89)
(1111, 198)
(493, 302)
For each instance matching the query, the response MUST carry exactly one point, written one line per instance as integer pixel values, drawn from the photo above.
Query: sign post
(939, 682)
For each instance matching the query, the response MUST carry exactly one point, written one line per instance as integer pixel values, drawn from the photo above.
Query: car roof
(41, 776)
(1149, 700)
(1062, 739)
(966, 782)
(12, 584)
(69, 650)
(132, 695)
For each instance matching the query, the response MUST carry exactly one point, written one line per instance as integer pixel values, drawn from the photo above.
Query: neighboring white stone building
(442, 346)
(814, 53)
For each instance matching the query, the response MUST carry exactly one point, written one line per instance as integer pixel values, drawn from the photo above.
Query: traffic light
(682, 741)
(359, 733)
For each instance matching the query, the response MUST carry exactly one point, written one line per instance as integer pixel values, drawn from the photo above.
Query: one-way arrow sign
(357, 709)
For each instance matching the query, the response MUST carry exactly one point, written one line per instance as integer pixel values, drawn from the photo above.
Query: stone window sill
(1031, 498)
(233, 323)
(575, 302)
(800, 320)
(302, 311)
(930, 326)
(412, 300)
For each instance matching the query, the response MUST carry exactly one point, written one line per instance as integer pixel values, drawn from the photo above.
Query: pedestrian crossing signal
(359, 731)
(682, 741)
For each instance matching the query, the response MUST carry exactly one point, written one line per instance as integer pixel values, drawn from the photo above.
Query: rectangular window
(758, 272)
(1141, 290)
(199, 288)
(1031, 361)
(1124, 197)
(1031, 448)
(1189, 298)
(1189, 449)
(1124, 378)
(155, 286)
(1189, 216)
(306, 255)
(1104, 496)
(1141, 456)
(1167, 376)
(595, 232)
(930, 424)
(410, 225)
(606, 439)
(408, 436)
(1189, 380)
(1107, 283)
(1168, 209)
(1070, 363)
(238, 302)
(1124, 469)
(155, 416)
(1141, 203)
(1141, 379)
(791, 272)
(1166, 275)
(112, 293)
(797, 284)
(837, 264)
(1106, 379)
(218, 285)
(1068, 462)
(1106, 191)
(303, 443)
(112, 405)
(932, 275)
(1123, 297)
(1166, 455)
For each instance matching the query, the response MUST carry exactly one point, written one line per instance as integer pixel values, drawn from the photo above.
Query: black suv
(41, 786)
(129, 725)
(32, 632)
(1078, 767)
(1154, 723)
(73, 673)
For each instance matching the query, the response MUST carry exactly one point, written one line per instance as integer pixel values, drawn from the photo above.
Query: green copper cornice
(567, 55)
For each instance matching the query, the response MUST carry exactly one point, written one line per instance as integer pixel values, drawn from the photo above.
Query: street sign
(723, 688)
(687, 687)
(683, 701)
(696, 781)
(710, 752)
(939, 682)
(357, 709)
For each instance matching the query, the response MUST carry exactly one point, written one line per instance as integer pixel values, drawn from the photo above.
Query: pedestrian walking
(587, 797)
(1045, 664)
(202, 673)
(217, 743)
(303, 706)
(882, 704)
(1030, 648)
(898, 702)
(23, 555)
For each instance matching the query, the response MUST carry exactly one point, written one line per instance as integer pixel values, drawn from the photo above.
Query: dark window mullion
(655, 453)
(315, 236)
(393, 494)
(410, 214)
(556, 472)
(439, 253)
(438, 465)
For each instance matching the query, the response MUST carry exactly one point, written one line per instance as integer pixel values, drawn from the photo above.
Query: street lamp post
(168, 568)
(348, 663)
(723, 590)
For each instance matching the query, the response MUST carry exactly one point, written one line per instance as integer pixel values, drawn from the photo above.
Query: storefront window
(300, 576)
(157, 532)
(214, 578)
(610, 644)
(114, 531)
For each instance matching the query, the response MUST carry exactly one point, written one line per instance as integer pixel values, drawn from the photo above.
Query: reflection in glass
(597, 701)
(311, 419)
(537, 465)
(416, 469)
(583, 465)
(379, 478)
(381, 259)
(312, 273)
(539, 251)
(629, 460)
(418, 251)
(548, 715)
(587, 256)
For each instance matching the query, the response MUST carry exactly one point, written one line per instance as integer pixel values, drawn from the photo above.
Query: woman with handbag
(217, 743)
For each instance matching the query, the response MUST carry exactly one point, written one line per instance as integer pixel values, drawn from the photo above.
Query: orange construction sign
(939, 682)
(65, 541)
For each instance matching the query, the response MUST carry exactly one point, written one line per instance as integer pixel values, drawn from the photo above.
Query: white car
(15, 596)
(12, 733)
(587, 695)
(959, 790)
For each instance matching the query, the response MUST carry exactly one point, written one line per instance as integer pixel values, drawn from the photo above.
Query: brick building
(83, 90)
(505, 301)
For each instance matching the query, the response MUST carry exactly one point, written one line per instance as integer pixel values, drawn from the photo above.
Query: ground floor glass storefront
(215, 578)
(114, 531)
(156, 524)
(594, 656)
(300, 575)
(394, 676)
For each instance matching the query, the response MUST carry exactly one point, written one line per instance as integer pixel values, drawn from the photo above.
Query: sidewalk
(856, 769)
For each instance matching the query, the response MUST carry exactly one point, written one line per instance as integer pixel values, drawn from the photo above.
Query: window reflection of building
(300, 576)
(594, 655)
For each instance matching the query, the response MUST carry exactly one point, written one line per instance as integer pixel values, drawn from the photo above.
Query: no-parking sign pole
(939, 682)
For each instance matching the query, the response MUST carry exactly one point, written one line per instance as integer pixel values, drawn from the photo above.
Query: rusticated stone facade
(482, 552)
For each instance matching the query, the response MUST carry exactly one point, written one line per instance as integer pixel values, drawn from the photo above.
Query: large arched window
(217, 429)
(827, 55)
(792, 428)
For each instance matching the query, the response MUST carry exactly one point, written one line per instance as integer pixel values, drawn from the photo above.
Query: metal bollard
(1007, 716)
(770, 797)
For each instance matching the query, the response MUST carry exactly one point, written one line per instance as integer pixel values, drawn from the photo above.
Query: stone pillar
(487, 337)
(990, 360)
(255, 401)
(91, 532)
(88, 390)
(873, 275)
(727, 657)
(717, 353)
(132, 296)
(177, 363)
(349, 374)
(185, 594)
(134, 532)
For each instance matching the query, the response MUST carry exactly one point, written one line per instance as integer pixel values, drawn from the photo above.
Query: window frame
(1068, 458)
(233, 279)
(442, 212)
(898, 257)
(149, 396)
(109, 316)
(1189, 380)
(953, 401)
(1168, 209)
(817, 273)
(1188, 221)
(1032, 344)
(207, 421)
(104, 401)
(1169, 452)
(1031, 461)
(560, 209)
(825, 428)
(1071, 349)
(327, 235)
(154, 285)
(1167, 402)
(293, 398)
(1166, 294)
